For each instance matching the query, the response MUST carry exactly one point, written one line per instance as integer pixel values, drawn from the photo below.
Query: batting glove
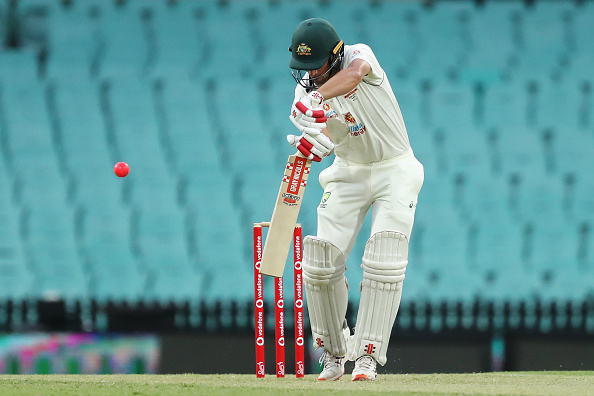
(313, 147)
(310, 105)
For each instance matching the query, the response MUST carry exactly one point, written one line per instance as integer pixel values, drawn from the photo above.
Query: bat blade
(284, 216)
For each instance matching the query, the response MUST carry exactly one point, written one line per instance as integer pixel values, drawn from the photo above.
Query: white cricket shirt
(366, 124)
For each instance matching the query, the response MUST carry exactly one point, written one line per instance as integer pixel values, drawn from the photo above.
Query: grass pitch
(512, 383)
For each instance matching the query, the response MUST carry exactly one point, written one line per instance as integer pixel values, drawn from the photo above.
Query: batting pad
(327, 294)
(384, 264)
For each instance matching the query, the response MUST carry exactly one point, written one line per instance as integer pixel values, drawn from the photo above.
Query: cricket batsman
(344, 103)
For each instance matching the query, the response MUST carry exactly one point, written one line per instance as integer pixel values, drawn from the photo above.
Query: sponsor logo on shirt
(358, 130)
(328, 111)
(351, 95)
(355, 128)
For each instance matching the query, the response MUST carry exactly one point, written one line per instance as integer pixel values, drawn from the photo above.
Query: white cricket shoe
(333, 367)
(365, 369)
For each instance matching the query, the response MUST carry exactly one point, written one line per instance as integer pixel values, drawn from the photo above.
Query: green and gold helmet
(314, 42)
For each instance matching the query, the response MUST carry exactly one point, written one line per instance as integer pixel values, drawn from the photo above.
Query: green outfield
(513, 383)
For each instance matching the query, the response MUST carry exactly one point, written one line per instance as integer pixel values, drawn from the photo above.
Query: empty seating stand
(195, 96)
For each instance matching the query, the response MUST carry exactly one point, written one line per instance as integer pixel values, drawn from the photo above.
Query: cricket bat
(284, 215)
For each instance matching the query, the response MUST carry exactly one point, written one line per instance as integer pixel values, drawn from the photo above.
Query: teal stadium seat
(15, 278)
(241, 120)
(485, 199)
(275, 24)
(227, 26)
(108, 253)
(392, 22)
(520, 152)
(48, 234)
(29, 142)
(582, 201)
(221, 239)
(542, 47)
(180, 44)
(83, 133)
(463, 150)
(493, 42)
(74, 42)
(445, 41)
(126, 49)
(505, 106)
(540, 197)
(17, 67)
(560, 104)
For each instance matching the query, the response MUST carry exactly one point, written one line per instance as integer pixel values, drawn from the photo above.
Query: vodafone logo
(259, 303)
(297, 265)
(299, 303)
(281, 341)
(260, 341)
(280, 304)
(257, 265)
(299, 341)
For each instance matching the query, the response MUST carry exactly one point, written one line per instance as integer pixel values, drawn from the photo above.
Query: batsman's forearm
(341, 84)
(345, 80)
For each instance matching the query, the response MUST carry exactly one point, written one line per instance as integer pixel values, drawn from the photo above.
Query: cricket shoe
(365, 369)
(333, 367)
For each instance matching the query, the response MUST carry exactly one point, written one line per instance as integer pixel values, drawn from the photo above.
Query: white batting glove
(307, 115)
(310, 105)
(307, 124)
(313, 147)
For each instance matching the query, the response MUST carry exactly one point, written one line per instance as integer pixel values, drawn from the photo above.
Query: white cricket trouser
(391, 187)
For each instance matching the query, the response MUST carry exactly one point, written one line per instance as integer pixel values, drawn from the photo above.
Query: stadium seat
(506, 106)
(559, 105)
(81, 125)
(177, 45)
(215, 221)
(520, 152)
(582, 202)
(452, 106)
(191, 136)
(74, 42)
(445, 41)
(6, 195)
(126, 50)
(17, 67)
(15, 278)
(48, 235)
(105, 238)
(463, 150)
(162, 238)
(394, 20)
(541, 44)
(492, 24)
(245, 132)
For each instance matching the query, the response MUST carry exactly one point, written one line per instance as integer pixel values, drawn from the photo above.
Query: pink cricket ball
(121, 169)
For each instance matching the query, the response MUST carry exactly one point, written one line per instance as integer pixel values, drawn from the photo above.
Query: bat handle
(315, 102)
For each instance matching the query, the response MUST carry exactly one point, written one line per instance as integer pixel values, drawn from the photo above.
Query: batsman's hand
(313, 147)
(306, 114)
(310, 105)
